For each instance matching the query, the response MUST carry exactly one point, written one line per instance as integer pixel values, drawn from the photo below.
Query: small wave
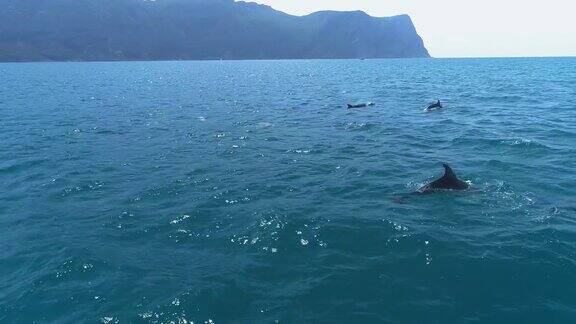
(179, 219)
(556, 212)
(355, 126)
(299, 151)
(265, 125)
(85, 187)
(524, 142)
(519, 143)
(501, 195)
(74, 267)
(274, 232)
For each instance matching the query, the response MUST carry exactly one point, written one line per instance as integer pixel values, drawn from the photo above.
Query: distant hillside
(91, 30)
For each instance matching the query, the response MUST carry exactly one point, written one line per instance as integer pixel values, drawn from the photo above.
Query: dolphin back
(449, 181)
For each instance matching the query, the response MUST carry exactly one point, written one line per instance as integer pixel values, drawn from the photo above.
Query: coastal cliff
(108, 30)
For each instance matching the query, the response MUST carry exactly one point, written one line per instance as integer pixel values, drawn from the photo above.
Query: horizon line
(298, 59)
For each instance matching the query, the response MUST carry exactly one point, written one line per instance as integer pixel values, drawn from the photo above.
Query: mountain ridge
(112, 30)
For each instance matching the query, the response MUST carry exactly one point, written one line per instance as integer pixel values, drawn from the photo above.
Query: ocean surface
(246, 192)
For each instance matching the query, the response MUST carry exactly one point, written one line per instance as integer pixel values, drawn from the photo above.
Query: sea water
(246, 192)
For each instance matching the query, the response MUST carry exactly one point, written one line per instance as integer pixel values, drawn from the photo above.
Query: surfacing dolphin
(361, 105)
(449, 181)
(437, 105)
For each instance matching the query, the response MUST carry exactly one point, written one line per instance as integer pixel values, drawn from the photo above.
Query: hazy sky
(471, 28)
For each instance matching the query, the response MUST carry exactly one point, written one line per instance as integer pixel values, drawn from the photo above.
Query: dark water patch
(21, 166)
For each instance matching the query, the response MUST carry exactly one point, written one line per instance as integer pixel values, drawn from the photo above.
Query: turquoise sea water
(245, 192)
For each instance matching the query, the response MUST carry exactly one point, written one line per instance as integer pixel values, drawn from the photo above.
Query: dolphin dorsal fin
(448, 172)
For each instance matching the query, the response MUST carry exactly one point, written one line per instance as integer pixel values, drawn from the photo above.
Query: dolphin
(362, 105)
(449, 181)
(437, 105)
